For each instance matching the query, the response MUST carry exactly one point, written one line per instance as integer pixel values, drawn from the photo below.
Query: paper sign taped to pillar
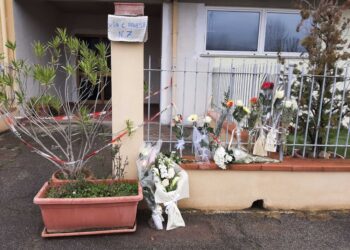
(127, 28)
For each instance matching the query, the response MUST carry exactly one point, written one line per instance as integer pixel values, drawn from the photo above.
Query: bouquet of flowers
(223, 157)
(266, 98)
(179, 133)
(239, 114)
(164, 172)
(290, 109)
(200, 137)
(277, 109)
(255, 113)
(164, 182)
(147, 157)
(227, 104)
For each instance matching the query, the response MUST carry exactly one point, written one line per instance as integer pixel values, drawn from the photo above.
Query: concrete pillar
(127, 96)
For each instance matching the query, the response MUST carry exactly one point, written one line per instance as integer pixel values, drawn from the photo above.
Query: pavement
(22, 173)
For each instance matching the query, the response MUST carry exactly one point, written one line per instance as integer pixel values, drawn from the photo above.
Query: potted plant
(63, 122)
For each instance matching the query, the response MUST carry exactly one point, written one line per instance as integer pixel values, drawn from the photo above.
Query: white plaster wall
(191, 89)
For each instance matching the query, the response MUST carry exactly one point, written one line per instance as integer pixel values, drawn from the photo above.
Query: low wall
(283, 186)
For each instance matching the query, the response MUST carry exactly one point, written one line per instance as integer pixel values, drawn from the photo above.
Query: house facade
(202, 36)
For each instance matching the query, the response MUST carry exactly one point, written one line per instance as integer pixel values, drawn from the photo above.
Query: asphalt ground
(22, 173)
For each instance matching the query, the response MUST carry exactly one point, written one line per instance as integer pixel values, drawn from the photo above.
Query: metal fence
(321, 125)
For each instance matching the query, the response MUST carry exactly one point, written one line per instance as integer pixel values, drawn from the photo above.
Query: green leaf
(70, 70)
(17, 64)
(3, 98)
(84, 115)
(73, 44)
(45, 75)
(62, 35)
(129, 127)
(7, 79)
(20, 97)
(11, 45)
(39, 49)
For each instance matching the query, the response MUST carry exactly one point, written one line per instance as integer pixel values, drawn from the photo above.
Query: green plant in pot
(62, 120)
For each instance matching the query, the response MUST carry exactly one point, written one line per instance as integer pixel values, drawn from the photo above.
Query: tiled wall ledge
(289, 164)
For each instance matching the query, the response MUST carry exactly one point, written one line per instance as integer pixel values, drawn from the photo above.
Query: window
(254, 31)
(281, 34)
(223, 34)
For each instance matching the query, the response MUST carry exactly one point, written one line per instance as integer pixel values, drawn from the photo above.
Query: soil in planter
(85, 189)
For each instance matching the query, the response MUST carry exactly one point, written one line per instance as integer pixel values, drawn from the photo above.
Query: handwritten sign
(127, 28)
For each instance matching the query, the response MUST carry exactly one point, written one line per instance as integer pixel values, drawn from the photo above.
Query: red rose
(254, 100)
(267, 85)
(229, 103)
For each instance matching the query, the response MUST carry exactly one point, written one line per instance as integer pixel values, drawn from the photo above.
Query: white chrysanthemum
(165, 182)
(171, 173)
(207, 119)
(279, 94)
(239, 103)
(161, 166)
(163, 172)
(219, 157)
(294, 104)
(193, 118)
(288, 104)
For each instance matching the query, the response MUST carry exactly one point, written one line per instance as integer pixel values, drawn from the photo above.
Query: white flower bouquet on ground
(164, 182)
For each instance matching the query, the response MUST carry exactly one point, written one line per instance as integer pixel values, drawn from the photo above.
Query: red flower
(267, 85)
(253, 100)
(229, 103)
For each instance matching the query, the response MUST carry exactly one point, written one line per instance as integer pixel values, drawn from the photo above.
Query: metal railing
(321, 125)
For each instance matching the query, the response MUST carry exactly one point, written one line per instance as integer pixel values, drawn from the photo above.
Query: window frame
(261, 35)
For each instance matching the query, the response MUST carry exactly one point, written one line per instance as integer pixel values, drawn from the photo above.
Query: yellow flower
(246, 110)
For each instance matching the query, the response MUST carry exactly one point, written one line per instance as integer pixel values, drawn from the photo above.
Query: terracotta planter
(82, 214)
(3, 125)
(55, 177)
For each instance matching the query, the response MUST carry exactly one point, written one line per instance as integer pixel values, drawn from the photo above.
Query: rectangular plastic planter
(81, 214)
